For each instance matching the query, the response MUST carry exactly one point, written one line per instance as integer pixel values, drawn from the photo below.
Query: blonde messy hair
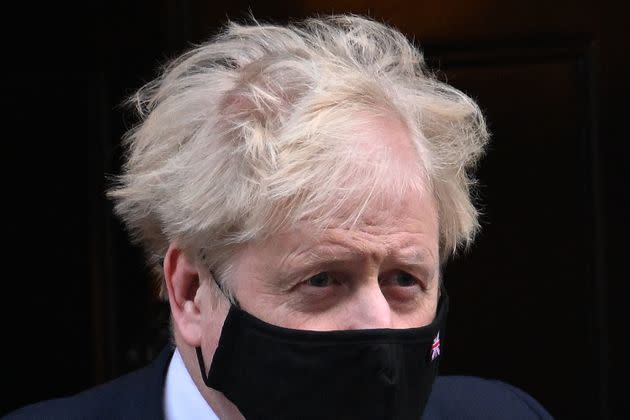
(253, 131)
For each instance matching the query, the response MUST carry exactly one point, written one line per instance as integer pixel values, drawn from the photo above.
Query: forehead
(384, 214)
(403, 230)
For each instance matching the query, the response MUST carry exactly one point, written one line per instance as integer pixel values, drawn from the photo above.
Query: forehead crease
(373, 241)
(334, 245)
(349, 244)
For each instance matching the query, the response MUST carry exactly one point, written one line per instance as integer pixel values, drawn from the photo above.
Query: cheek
(423, 315)
(417, 311)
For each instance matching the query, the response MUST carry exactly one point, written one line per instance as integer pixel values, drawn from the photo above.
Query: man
(296, 190)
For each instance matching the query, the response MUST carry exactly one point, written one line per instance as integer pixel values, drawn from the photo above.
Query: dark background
(539, 301)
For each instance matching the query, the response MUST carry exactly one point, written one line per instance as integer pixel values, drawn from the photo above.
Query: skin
(382, 273)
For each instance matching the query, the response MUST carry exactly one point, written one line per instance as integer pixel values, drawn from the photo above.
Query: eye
(398, 279)
(320, 280)
(404, 279)
(403, 290)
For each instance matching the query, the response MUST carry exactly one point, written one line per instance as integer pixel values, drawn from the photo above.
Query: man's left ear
(183, 285)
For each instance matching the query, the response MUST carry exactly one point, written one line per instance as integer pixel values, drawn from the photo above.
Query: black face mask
(270, 372)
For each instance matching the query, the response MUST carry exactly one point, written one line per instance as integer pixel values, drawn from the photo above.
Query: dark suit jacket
(139, 395)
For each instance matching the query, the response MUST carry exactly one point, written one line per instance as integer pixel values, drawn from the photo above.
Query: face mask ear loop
(233, 301)
(202, 366)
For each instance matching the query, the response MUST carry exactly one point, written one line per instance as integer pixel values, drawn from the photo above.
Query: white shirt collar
(182, 399)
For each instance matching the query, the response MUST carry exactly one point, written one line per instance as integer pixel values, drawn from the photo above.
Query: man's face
(381, 274)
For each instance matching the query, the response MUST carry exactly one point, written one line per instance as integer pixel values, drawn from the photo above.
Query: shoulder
(470, 398)
(136, 395)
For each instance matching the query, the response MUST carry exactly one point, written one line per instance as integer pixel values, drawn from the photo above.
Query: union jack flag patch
(435, 347)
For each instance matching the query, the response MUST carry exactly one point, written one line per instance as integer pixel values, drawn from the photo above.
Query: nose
(368, 308)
